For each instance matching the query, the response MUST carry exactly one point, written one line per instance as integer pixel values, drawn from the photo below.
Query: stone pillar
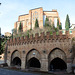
(23, 62)
(44, 62)
(8, 60)
(9, 63)
(44, 65)
(69, 65)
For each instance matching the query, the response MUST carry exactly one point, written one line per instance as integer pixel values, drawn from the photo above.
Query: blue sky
(11, 9)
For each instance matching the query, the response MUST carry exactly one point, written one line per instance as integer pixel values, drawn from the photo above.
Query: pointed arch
(56, 53)
(15, 58)
(59, 50)
(33, 53)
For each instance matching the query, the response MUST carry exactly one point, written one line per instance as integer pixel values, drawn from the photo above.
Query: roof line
(24, 14)
(36, 8)
(49, 11)
(20, 21)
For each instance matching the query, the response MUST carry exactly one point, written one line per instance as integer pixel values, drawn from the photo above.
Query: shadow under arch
(16, 61)
(26, 65)
(56, 53)
(33, 63)
(57, 64)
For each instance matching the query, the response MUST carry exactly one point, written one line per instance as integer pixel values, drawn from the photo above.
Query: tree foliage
(36, 23)
(14, 31)
(46, 22)
(67, 23)
(60, 26)
(53, 27)
(2, 44)
(58, 23)
(20, 27)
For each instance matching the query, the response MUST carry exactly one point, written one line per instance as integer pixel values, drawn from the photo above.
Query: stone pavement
(13, 72)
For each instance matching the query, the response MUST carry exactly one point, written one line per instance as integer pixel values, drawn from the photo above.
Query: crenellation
(48, 35)
(31, 37)
(22, 38)
(14, 40)
(18, 39)
(54, 35)
(67, 33)
(36, 36)
(60, 33)
(26, 38)
(42, 37)
(11, 40)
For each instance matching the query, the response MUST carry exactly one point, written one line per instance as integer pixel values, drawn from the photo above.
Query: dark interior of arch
(58, 63)
(34, 62)
(16, 61)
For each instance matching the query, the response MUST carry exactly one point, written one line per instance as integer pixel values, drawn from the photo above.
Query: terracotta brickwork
(44, 47)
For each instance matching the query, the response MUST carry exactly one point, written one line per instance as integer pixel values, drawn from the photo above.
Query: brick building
(43, 52)
(28, 20)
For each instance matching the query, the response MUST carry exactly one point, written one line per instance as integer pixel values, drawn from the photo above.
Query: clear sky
(11, 9)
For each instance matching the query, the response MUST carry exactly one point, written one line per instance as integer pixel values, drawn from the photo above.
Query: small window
(35, 12)
(33, 18)
(70, 32)
(33, 15)
(63, 32)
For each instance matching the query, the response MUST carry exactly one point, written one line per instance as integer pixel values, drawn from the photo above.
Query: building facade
(72, 26)
(42, 52)
(28, 20)
(7, 34)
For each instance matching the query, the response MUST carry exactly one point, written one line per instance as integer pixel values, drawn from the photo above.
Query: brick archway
(32, 54)
(16, 58)
(56, 53)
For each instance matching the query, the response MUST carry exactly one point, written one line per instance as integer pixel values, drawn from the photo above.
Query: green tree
(67, 23)
(60, 26)
(20, 27)
(36, 23)
(14, 31)
(53, 27)
(3, 41)
(56, 29)
(58, 23)
(46, 22)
